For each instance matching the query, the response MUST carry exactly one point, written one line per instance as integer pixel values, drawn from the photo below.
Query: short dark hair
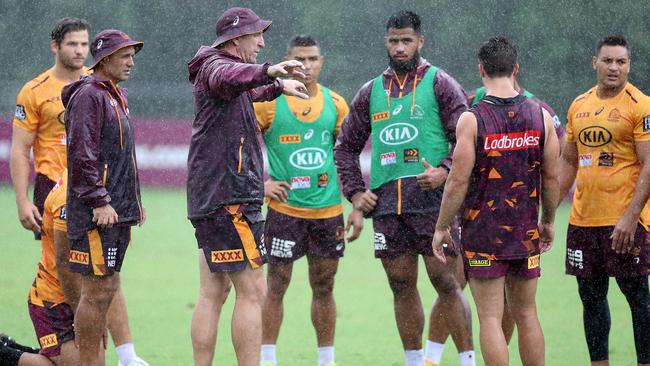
(302, 41)
(613, 40)
(404, 19)
(498, 56)
(65, 25)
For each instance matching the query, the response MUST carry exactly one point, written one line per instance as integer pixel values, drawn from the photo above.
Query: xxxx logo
(48, 341)
(226, 256)
(78, 257)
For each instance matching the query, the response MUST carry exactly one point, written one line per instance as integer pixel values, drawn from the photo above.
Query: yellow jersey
(46, 289)
(39, 110)
(605, 132)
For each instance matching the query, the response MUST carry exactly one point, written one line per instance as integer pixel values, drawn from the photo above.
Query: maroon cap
(109, 41)
(237, 22)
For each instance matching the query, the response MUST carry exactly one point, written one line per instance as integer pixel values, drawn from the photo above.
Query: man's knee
(445, 284)
(402, 284)
(100, 291)
(322, 286)
(278, 280)
(216, 292)
(249, 284)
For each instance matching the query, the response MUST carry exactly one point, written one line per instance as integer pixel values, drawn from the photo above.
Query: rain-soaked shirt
(402, 195)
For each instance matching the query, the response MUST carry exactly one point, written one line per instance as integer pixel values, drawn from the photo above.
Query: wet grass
(160, 279)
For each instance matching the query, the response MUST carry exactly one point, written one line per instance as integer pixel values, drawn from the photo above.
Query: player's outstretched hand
(105, 217)
(294, 88)
(355, 222)
(29, 216)
(364, 201)
(623, 234)
(277, 190)
(546, 234)
(432, 177)
(286, 68)
(441, 240)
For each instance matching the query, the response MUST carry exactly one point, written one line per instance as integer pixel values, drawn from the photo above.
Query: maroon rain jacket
(102, 168)
(225, 164)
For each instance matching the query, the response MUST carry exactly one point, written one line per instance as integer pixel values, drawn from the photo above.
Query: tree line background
(556, 40)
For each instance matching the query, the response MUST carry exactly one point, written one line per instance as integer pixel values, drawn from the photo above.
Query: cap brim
(138, 46)
(259, 26)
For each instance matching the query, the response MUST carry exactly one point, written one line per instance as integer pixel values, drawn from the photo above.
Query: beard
(69, 63)
(405, 66)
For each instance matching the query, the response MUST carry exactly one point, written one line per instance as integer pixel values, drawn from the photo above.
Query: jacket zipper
(241, 148)
(399, 196)
(105, 174)
(135, 184)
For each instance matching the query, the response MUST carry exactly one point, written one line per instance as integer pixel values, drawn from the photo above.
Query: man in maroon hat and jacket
(225, 187)
(103, 199)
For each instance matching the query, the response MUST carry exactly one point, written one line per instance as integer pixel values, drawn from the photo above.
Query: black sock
(635, 290)
(9, 356)
(595, 315)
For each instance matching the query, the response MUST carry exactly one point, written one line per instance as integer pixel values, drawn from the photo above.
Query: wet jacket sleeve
(267, 92)
(453, 102)
(355, 131)
(84, 118)
(230, 79)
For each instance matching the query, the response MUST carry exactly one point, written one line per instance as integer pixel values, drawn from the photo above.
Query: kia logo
(398, 133)
(308, 158)
(595, 136)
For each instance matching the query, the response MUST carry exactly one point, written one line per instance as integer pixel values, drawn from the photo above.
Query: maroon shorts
(42, 187)
(232, 238)
(288, 238)
(53, 326)
(100, 252)
(396, 235)
(589, 253)
(478, 266)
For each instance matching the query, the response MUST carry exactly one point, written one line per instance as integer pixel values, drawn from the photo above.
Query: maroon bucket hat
(109, 41)
(237, 22)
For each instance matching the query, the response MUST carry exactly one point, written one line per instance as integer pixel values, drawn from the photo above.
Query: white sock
(434, 352)
(125, 353)
(414, 357)
(268, 354)
(467, 358)
(325, 355)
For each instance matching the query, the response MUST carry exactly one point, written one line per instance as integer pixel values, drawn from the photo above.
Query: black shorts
(396, 235)
(42, 187)
(589, 253)
(288, 238)
(100, 252)
(53, 325)
(232, 238)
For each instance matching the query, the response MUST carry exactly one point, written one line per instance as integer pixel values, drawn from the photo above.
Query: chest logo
(290, 139)
(308, 158)
(614, 115)
(397, 110)
(309, 134)
(398, 133)
(381, 116)
(594, 136)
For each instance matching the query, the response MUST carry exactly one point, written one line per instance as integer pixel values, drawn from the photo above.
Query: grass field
(160, 279)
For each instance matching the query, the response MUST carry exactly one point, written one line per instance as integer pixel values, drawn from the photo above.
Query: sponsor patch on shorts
(300, 182)
(20, 112)
(586, 159)
(290, 139)
(227, 256)
(282, 248)
(48, 341)
(381, 116)
(78, 257)
(62, 214)
(380, 242)
(479, 262)
(388, 158)
(533, 262)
